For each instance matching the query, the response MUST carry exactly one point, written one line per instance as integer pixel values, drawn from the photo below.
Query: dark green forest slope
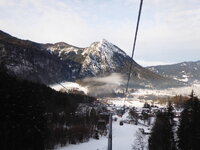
(34, 117)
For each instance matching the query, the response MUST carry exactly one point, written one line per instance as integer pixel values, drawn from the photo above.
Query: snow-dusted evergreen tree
(162, 134)
(133, 115)
(189, 128)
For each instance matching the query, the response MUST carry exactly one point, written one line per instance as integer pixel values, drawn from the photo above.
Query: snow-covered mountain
(103, 58)
(51, 63)
(97, 59)
(188, 72)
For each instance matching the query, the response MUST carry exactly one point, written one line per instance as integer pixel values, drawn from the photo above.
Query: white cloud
(167, 28)
(44, 21)
(175, 33)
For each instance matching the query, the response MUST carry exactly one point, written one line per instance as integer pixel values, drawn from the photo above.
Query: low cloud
(99, 86)
(114, 78)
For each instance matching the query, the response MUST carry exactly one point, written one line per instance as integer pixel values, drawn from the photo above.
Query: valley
(99, 75)
(60, 62)
(83, 86)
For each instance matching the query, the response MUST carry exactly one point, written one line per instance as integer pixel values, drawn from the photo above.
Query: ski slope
(123, 138)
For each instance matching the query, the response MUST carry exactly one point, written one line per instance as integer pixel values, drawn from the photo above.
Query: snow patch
(185, 91)
(183, 64)
(69, 86)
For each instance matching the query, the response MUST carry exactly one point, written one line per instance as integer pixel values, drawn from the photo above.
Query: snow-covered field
(123, 138)
(69, 86)
(140, 96)
(120, 102)
(170, 91)
(126, 136)
(185, 91)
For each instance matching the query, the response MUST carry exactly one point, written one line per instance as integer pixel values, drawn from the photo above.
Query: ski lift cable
(134, 44)
(62, 86)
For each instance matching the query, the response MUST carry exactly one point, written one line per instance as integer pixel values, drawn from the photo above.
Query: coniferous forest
(35, 117)
(186, 136)
(189, 128)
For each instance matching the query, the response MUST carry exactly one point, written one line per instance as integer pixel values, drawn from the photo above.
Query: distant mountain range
(53, 63)
(188, 72)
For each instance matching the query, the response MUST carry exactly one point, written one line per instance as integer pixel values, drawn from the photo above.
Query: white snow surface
(123, 138)
(185, 91)
(98, 56)
(108, 47)
(69, 86)
(130, 102)
(65, 50)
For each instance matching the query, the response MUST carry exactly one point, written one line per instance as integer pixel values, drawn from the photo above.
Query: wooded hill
(35, 117)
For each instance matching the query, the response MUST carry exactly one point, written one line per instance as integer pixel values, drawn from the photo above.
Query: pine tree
(133, 115)
(189, 131)
(162, 134)
(34, 117)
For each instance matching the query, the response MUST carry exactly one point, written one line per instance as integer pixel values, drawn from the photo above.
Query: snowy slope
(99, 57)
(103, 58)
(185, 71)
(123, 139)
(31, 61)
(59, 62)
(96, 59)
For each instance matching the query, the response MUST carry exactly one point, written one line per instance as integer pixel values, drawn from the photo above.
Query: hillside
(188, 72)
(103, 58)
(33, 116)
(29, 60)
(53, 63)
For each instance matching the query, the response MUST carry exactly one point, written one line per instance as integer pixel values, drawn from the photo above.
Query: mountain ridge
(187, 71)
(51, 63)
(31, 61)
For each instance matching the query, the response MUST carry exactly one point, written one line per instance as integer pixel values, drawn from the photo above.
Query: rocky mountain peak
(104, 43)
(108, 48)
(50, 63)
(101, 57)
(62, 44)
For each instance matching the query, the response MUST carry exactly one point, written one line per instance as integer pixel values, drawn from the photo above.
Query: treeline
(189, 128)
(162, 137)
(166, 135)
(35, 117)
(178, 100)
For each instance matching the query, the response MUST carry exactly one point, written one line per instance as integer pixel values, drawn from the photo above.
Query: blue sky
(169, 30)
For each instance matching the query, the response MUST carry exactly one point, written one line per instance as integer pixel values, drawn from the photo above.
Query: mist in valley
(104, 86)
